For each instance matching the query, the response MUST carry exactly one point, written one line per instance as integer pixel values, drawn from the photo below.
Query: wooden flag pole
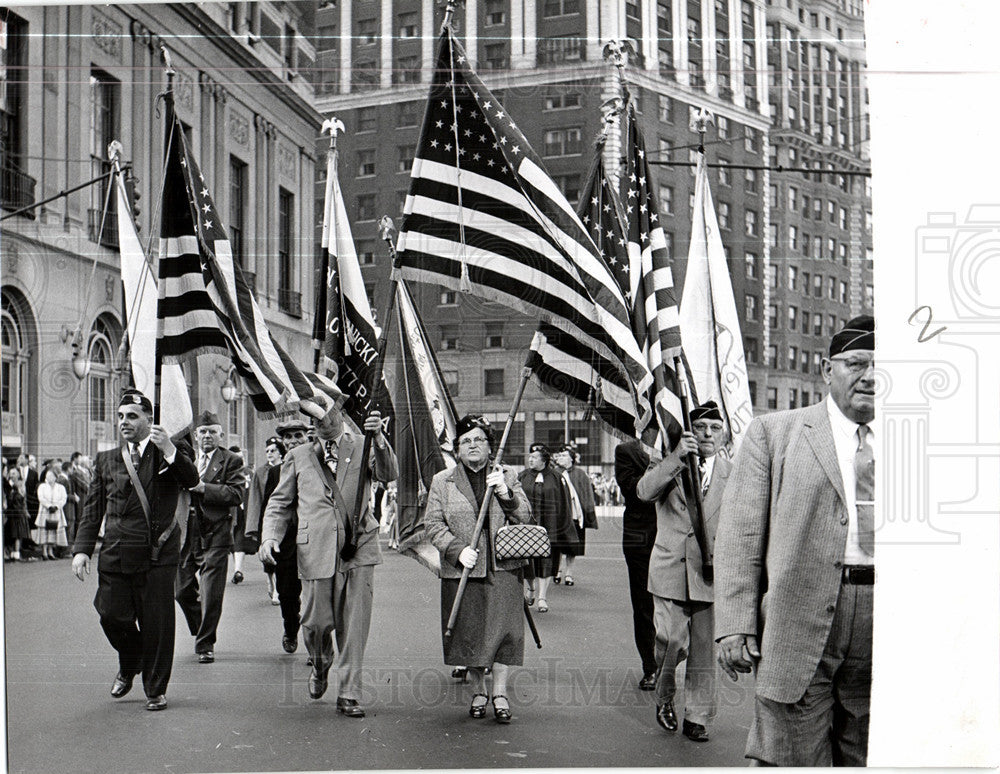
(386, 230)
(334, 126)
(488, 497)
(696, 508)
(168, 133)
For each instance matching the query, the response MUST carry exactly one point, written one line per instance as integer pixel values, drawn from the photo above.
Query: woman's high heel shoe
(478, 710)
(502, 714)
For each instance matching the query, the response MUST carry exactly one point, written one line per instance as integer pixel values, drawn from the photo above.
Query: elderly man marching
(321, 480)
(682, 597)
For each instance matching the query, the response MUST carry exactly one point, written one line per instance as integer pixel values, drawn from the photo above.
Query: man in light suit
(320, 482)
(796, 569)
(205, 555)
(682, 596)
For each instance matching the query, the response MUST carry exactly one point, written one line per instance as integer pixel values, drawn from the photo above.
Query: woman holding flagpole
(489, 630)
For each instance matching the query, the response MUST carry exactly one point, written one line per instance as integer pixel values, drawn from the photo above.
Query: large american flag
(651, 281)
(564, 363)
(483, 216)
(205, 303)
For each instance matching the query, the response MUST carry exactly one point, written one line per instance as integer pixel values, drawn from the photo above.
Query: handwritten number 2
(924, 336)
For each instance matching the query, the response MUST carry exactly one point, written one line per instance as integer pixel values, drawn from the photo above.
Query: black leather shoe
(460, 673)
(696, 732)
(156, 703)
(237, 577)
(206, 657)
(350, 707)
(121, 685)
(317, 684)
(478, 710)
(666, 716)
(648, 682)
(290, 644)
(501, 714)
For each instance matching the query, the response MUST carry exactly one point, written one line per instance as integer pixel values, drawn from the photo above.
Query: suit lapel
(713, 497)
(316, 460)
(213, 466)
(820, 437)
(462, 485)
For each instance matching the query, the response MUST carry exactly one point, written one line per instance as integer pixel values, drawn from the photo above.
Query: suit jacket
(451, 514)
(257, 497)
(111, 498)
(584, 487)
(306, 487)
(780, 546)
(215, 508)
(639, 520)
(30, 478)
(675, 564)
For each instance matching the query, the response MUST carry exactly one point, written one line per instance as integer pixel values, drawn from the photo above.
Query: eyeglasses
(856, 365)
(466, 442)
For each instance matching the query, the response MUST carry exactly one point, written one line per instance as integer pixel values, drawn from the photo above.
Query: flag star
(496, 146)
(654, 217)
(614, 261)
(434, 143)
(489, 162)
(631, 192)
(439, 124)
(642, 153)
(503, 140)
(447, 146)
(475, 157)
(444, 103)
(482, 138)
(201, 177)
(632, 177)
(644, 237)
(607, 208)
(208, 224)
(461, 59)
(204, 192)
(621, 242)
(454, 127)
(515, 150)
(642, 208)
(628, 210)
(207, 208)
(458, 108)
(499, 114)
(461, 151)
(486, 106)
(593, 200)
(586, 219)
(611, 234)
(184, 162)
(468, 133)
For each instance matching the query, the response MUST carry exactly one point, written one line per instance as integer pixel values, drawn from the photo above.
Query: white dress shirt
(142, 450)
(845, 439)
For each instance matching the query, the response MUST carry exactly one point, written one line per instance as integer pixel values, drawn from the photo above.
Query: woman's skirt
(490, 623)
(572, 547)
(17, 527)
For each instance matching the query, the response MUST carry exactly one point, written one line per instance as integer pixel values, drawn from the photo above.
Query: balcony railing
(109, 236)
(290, 302)
(17, 189)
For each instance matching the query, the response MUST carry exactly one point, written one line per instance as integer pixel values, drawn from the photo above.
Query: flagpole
(334, 126)
(386, 229)
(526, 372)
(168, 98)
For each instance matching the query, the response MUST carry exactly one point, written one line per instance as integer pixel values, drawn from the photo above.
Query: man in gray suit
(682, 597)
(795, 567)
(321, 481)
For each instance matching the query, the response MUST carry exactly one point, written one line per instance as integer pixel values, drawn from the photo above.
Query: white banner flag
(140, 327)
(710, 326)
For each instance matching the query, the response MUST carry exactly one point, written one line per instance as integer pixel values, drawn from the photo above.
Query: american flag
(564, 363)
(346, 330)
(651, 282)
(205, 303)
(483, 216)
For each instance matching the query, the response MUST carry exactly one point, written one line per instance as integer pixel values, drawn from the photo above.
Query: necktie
(332, 456)
(202, 464)
(136, 457)
(864, 491)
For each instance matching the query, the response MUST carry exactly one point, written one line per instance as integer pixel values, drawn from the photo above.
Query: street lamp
(80, 360)
(228, 388)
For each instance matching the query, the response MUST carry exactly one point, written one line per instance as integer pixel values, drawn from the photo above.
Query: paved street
(574, 701)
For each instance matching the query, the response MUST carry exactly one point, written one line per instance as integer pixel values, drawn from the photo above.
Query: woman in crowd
(17, 525)
(50, 523)
(583, 514)
(259, 493)
(489, 630)
(549, 500)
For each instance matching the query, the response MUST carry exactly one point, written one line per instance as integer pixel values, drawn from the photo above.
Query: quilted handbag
(522, 541)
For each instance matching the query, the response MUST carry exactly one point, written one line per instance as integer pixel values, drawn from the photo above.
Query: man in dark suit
(638, 534)
(320, 481)
(79, 476)
(205, 555)
(141, 548)
(682, 594)
(795, 562)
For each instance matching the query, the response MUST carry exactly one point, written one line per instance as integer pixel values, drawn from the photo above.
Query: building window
(366, 31)
(793, 238)
(793, 358)
(104, 127)
(771, 275)
(793, 277)
(831, 324)
(817, 324)
(793, 198)
(772, 317)
(493, 381)
(560, 49)
(665, 109)
(750, 140)
(450, 381)
(804, 362)
(408, 115)
(722, 125)
(366, 207)
(750, 265)
(793, 398)
(843, 292)
(563, 142)
(772, 397)
(408, 25)
(632, 9)
(751, 308)
(237, 207)
(448, 298)
(14, 382)
(750, 181)
(366, 251)
(772, 356)
(665, 147)
(831, 288)
(569, 185)
(365, 74)
(842, 252)
(793, 316)
(562, 101)
(286, 203)
(494, 335)
(818, 286)
(752, 351)
(406, 70)
(750, 220)
(366, 163)
(449, 338)
(817, 360)
(725, 175)
(552, 8)
(405, 157)
(495, 13)
(100, 387)
(843, 218)
(367, 119)
(496, 56)
(668, 243)
(724, 215)
(772, 197)
(18, 189)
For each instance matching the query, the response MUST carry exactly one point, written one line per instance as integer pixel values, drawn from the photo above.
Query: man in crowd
(28, 464)
(638, 534)
(205, 555)
(682, 594)
(79, 476)
(796, 568)
(337, 548)
(292, 434)
(135, 491)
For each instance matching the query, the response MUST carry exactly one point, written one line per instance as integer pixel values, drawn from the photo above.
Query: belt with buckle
(858, 574)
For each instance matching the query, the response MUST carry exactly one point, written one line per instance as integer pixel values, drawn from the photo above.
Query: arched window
(102, 383)
(14, 378)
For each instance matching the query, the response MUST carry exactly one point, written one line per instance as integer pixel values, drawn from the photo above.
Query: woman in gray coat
(489, 630)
